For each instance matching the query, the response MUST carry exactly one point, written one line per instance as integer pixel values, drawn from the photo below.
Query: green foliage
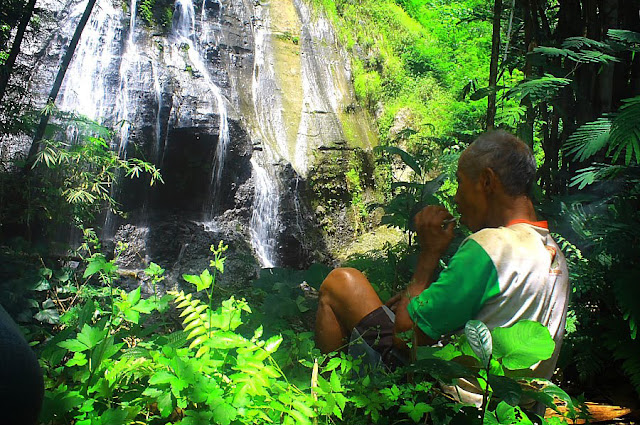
(145, 11)
(83, 174)
(409, 197)
(411, 54)
(619, 132)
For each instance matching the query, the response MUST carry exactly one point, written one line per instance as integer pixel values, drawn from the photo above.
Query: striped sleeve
(459, 293)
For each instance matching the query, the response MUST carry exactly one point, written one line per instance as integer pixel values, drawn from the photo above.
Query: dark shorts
(372, 337)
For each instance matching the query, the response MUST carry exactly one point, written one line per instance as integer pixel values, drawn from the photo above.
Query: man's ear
(489, 180)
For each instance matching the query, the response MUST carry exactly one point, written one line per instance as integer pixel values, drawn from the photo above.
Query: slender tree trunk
(609, 16)
(44, 118)
(493, 68)
(525, 128)
(5, 71)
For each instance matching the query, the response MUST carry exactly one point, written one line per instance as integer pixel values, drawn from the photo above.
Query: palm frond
(589, 139)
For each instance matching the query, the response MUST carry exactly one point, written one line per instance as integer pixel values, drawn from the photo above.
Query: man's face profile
(470, 197)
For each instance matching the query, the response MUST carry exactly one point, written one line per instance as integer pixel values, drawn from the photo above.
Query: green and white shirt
(499, 276)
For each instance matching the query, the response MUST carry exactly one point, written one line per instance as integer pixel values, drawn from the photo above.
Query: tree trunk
(5, 71)
(524, 129)
(44, 118)
(493, 69)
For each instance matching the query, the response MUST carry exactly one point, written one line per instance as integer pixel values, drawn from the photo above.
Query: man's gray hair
(509, 157)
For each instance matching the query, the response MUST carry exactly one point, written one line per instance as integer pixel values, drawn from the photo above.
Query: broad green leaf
(407, 158)
(199, 340)
(50, 316)
(333, 363)
(161, 377)
(506, 414)
(132, 315)
(202, 350)
(78, 359)
(298, 417)
(226, 340)
(490, 419)
(446, 371)
(114, 417)
(336, 386)
(273, 343)
(479, 338)
(303, 408)
(224, 413)
(523, 344)
(134, 296)
(192, 278)
(95, 265)
(205, 280)
(91, 336)
(73, 345)
(165, 404)
(505, 389)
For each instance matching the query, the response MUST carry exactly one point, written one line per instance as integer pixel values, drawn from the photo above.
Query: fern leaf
(193, 324)
(176, 339)
(200, 330)
(592, 56)
(589, 139)
(134, 353)
(580, 42)
(552, 51)
(538, 89)
(629, 39)
(625, 131)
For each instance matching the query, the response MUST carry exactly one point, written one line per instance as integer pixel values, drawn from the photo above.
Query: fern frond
(195, 321)
(580, 42)
(552, 51)
(176, 339)
(629, 353)
(629, 39)
(538, 89)
(592, 56)
(589, 139)
(625, 131)
(134, 353)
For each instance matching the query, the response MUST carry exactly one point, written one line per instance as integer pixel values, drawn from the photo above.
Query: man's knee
(341, 281)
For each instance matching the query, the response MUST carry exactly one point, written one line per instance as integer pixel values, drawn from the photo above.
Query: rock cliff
(239, 103)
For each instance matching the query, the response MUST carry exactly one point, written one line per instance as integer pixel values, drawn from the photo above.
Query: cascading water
(264, 219)
(270, 120)
(129, 70)
(86, 87)
(185, 35)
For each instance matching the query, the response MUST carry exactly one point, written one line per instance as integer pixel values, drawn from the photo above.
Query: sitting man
(509, 269)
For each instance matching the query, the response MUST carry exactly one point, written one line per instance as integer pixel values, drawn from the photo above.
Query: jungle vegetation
(564, 75)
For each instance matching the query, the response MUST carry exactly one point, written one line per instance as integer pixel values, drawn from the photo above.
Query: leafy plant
(409, 197)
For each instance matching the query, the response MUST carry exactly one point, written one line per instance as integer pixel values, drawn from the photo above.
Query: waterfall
(264, 219)
(185, 35)
(159, 145)
(128, 73)
(272, 132)
(85, 88)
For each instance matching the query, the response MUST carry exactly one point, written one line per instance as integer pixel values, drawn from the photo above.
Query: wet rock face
(273, 72)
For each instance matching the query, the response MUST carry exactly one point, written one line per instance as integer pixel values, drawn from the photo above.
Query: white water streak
(184, 30)
(264, 219)
(85, 87)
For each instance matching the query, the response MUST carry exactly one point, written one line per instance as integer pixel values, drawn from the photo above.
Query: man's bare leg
(346, 297)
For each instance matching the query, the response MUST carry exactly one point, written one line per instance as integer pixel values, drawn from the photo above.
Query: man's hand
(434, 238)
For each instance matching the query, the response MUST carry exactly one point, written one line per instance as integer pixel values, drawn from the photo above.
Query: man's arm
(434, 240)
